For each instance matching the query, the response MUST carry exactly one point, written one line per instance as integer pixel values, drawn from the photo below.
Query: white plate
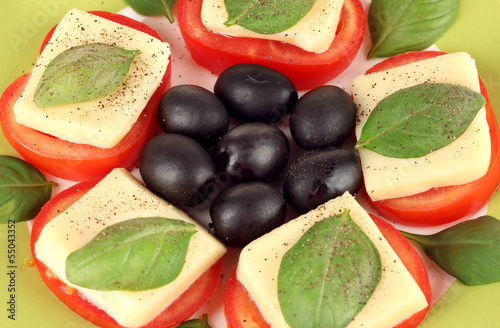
(186, 71)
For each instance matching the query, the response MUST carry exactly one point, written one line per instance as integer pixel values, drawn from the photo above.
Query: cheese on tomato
(396, 297)
(119, 197)
(464, 160)
(314, 33)
(105, 121)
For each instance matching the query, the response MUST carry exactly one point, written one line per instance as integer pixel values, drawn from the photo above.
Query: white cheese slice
(464, 160)
(102, 122)
(396, 297)
(118, 197)
(314, 33)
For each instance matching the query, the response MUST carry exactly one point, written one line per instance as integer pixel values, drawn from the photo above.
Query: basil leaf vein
(136, 254)
(398, 26)
(469, 251)
(327, 277)
(83, 73)
(415, 121)
(266, 16)
(23, 190)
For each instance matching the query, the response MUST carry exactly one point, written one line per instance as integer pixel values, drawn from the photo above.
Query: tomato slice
(444, 204)
(413, 263)
(217, 52)
(79, 162)
(183, 308)
(242, 312)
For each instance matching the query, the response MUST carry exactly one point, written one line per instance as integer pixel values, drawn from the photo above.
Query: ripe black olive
(178, 169)
(323, 117)
(320, 175)
(247, 211)
(252, 152)
(255, 93)
(195, 112)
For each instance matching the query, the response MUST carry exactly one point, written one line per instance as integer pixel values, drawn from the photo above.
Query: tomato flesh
(72, 161)
(217, 52)
(242, 312)
(444, 204)
(181, 309)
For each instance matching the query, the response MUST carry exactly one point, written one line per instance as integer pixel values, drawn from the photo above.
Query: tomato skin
(183, 308)
(444, 204)
(79, 162)
(242, 312)
(217, 52)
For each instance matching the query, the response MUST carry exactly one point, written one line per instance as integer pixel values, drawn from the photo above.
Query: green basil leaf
(469, 251)
(23, 190)
(153, 7)
(82, 73)
(415, 121)
(266, 16)
(327, 277)
(398, 26)
(136, 254)
(196, 323)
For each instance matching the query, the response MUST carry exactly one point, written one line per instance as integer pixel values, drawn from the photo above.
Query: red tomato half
(183, 308)
(217, 52)
(242, 312)
(444, 204)
(79, 162)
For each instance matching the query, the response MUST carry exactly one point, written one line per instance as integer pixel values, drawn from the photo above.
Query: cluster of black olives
(252, 160)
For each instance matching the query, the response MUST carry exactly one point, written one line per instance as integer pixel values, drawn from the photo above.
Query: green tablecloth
(24, 23)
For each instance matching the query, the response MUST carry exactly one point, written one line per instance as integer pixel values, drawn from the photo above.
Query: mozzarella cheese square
(464, 160)
(119, 197)
(396, 297)
(105, 121)
(314, 33)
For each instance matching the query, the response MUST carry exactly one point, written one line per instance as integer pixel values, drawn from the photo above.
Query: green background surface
(24, 24)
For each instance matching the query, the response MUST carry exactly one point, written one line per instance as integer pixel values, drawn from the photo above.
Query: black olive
(195, 112)
(178, 169)
(247, 211)
(252, 152)
(320, 175)
(255, 93)
(323, 117)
